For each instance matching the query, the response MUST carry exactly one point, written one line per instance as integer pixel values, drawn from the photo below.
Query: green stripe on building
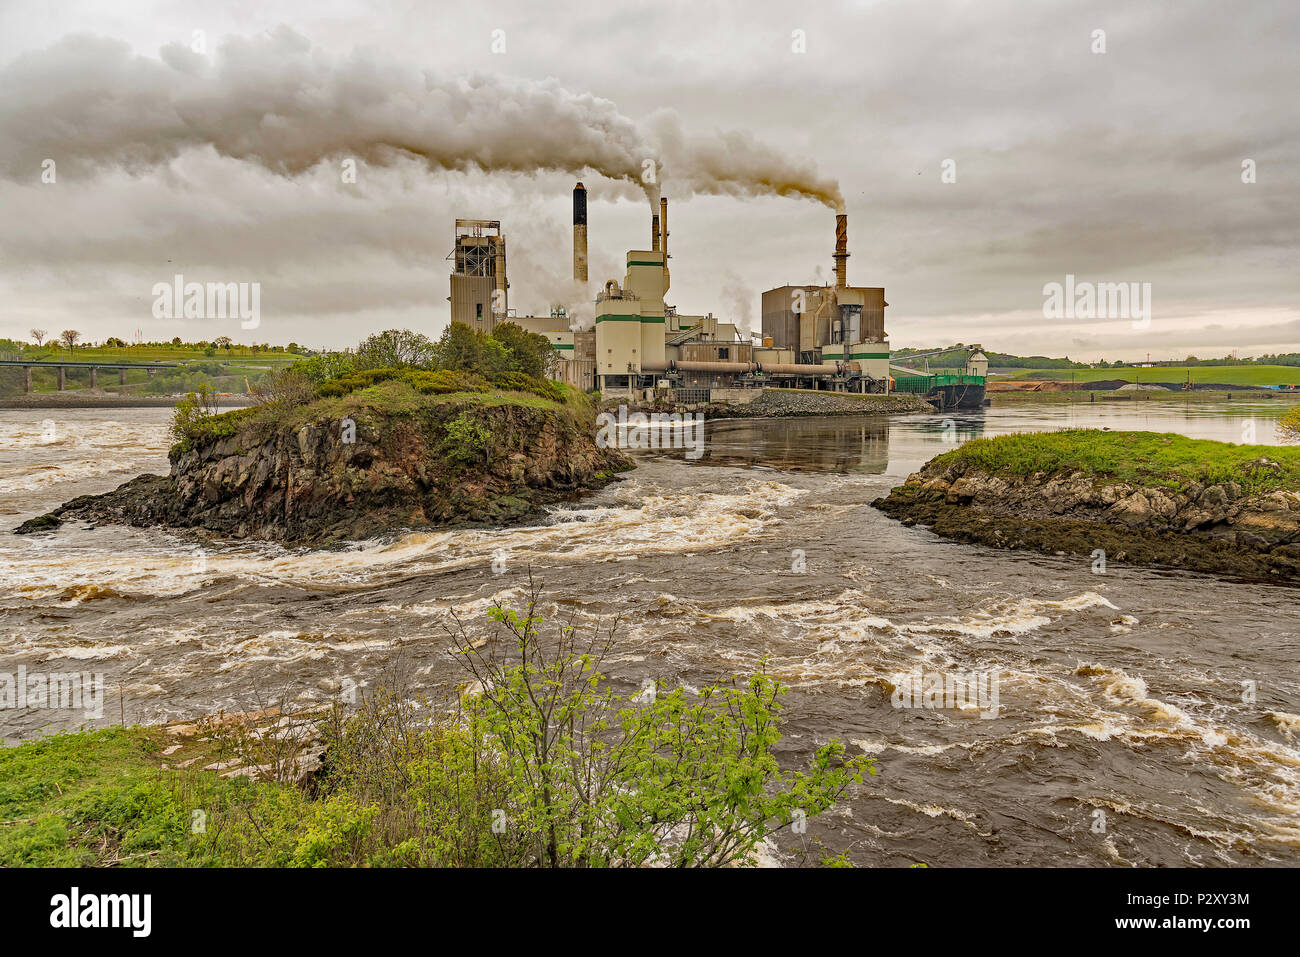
(617, 318)
(638, 263)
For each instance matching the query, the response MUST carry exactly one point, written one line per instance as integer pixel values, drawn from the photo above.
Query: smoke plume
(737, 300)
(88, 102)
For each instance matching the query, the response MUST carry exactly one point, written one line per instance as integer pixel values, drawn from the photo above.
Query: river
(1126, 732)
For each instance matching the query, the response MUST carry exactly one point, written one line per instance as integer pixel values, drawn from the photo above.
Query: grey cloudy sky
(224, 165)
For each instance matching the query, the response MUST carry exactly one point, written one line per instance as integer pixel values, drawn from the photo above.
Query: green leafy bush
(543, 764)
(427, 381)
(467, 441)
(441, 382)
(193, 422)
(192, 413)
(518, 382)
(357, 379)
(444, 381)
(326, 366)
(1288, 426)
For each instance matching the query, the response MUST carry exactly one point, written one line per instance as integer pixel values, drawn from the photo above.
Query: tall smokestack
(654, 229)
(663, 233)
(579, 233)
(500, 302)
(841, 250)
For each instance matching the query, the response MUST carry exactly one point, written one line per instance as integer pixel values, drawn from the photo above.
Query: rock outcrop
(344, 470)
(1219, 528)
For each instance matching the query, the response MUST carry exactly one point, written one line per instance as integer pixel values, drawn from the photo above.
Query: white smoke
(88, 102)
(733, 163)
(738, 301)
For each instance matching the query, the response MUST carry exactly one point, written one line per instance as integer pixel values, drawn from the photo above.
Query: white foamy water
(35, 568)
(39, 450)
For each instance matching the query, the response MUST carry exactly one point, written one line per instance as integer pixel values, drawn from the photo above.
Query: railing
(105, 364)
(921, 384)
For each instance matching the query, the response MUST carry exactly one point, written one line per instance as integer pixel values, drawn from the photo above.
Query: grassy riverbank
(489, 778)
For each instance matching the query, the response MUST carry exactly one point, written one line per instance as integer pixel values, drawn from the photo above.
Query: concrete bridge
(94, 367)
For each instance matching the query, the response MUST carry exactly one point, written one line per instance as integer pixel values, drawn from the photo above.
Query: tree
(176, 340)
(283, 388)
(683, 779)
(396, 347)
(326, 366)
(495, 358)
(38, 335)
(460, 348)
(223, 342)
(69, 338)
(531, 353)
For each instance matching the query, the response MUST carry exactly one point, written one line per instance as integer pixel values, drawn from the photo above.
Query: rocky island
(373, 452)
(1140, 497)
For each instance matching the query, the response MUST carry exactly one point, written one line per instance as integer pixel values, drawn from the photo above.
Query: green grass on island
(400, 396)
(396, 373)
(1163, 459)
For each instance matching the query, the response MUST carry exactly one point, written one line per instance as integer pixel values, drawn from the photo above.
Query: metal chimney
(663, 233)
(841, 250)
(500, 298)
(579, 233)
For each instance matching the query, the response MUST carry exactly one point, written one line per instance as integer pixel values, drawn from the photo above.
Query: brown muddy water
(1121, 694)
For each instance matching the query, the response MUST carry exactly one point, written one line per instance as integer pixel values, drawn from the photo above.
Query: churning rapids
(1120, 692)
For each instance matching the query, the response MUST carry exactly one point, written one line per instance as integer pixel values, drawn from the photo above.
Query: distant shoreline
(36, 400)
(1103, 397)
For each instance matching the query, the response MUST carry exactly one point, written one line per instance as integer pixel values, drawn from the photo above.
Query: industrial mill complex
(820, 337)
